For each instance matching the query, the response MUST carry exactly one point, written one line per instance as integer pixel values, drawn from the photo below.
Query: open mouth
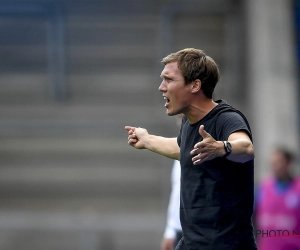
(167, 101)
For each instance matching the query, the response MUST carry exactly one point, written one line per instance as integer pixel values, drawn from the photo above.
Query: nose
(162, 87)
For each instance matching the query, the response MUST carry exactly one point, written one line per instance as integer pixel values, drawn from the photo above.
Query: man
(277, 207)
(215, 151)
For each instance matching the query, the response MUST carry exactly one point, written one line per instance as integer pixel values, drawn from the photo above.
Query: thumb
(202, 132)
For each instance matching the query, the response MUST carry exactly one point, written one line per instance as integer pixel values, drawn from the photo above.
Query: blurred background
(74, 73)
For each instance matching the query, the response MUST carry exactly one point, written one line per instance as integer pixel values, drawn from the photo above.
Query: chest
(275, 200)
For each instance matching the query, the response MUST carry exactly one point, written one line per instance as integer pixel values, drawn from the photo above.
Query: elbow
(249, 154)
(176, 156)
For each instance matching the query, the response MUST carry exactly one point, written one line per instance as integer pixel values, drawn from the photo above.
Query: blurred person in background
(277, 205)
(173, 231)
(216, 155)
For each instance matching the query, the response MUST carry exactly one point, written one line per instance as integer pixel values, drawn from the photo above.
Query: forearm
(139, 138)
(242, 150)
(164, 146)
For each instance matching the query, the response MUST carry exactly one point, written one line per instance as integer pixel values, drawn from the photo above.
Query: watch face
(228, 147)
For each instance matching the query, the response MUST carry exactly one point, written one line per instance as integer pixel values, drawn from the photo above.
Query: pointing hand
(135, 136)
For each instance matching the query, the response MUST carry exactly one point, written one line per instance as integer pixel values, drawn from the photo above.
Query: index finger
(128, 128)
(198, 145)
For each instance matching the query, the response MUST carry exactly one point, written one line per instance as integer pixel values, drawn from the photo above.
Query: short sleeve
(230, 122)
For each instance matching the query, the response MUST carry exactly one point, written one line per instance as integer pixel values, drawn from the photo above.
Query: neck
(200, 109)
(284, 179)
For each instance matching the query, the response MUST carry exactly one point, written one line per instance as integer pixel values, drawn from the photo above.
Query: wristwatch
(227, 147)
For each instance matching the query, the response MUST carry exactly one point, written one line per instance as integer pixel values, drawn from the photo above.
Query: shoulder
(263, 186)
(229, 122)
(267, 182)
(297, 182)
(230, 116)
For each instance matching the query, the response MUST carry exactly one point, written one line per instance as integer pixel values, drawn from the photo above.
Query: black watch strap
(227, 147)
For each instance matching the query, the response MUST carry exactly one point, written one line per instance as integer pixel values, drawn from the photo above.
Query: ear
(196, 86)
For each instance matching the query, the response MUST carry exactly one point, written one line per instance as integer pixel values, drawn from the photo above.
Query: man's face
(175, 91)
(279, 165)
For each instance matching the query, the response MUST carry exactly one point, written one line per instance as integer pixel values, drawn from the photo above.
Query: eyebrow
(165, 76)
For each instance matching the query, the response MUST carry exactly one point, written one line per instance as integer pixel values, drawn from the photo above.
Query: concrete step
(84, 230)
(105, 204)
(107, 88)
(78, 167)
(51, 121)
